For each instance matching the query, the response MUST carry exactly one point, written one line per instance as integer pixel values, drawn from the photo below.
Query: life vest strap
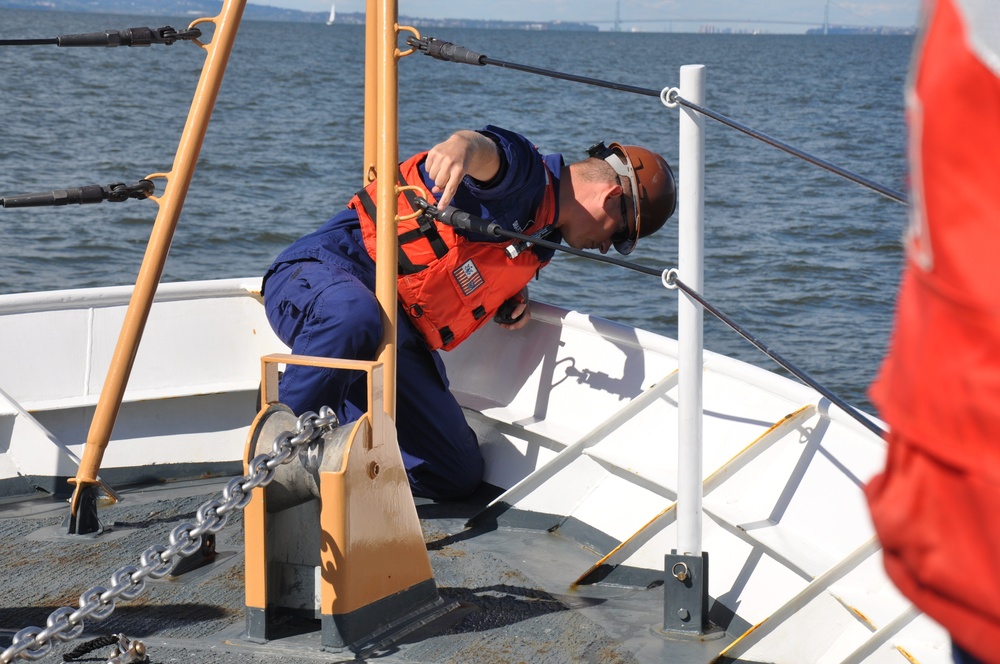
(406, 266)
(426, 229)
(426, 225)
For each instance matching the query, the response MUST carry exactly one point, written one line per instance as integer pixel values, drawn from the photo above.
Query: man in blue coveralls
(319, 293)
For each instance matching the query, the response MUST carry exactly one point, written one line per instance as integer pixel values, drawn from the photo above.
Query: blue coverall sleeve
(513, 196)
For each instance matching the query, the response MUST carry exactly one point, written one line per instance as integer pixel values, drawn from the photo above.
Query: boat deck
(511, 589)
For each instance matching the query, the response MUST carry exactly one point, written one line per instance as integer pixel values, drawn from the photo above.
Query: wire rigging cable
(449, 52)
(465, 221)
(670, 280)
(672, 98)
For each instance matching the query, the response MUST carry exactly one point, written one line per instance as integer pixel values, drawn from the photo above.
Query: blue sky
(663, 15)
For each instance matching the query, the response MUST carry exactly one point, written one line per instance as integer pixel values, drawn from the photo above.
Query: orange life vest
(936, 507)
(450, 286)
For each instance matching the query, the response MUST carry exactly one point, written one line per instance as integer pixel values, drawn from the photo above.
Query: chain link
(66, 623)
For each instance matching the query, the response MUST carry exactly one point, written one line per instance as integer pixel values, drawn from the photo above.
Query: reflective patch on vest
(468, 277)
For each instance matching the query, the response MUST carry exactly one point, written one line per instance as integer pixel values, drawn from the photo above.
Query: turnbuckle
(116, 192)
(443, 50)
(119, 191)
(129, 37)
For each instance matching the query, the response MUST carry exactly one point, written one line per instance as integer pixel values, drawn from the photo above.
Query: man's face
(601, 225)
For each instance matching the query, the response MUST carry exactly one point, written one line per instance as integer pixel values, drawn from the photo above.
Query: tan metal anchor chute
(343, 538)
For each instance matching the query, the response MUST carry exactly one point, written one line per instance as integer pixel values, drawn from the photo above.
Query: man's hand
(520, 314)
(464, 153)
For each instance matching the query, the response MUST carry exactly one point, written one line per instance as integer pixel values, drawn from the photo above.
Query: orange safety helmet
(654, 189)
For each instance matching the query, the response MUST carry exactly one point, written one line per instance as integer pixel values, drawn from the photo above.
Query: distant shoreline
(267, 13)
(198, 8)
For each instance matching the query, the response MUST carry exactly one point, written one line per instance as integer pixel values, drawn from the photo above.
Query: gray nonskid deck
(511, 588)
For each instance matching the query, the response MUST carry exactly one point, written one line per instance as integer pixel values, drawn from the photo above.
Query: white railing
(690, 315)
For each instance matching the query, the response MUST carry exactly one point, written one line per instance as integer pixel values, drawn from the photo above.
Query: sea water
(804, 260)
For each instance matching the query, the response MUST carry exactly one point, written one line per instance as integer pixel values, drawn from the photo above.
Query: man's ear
(613, 190)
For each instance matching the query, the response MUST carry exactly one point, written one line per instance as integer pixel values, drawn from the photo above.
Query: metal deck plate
(513, 587)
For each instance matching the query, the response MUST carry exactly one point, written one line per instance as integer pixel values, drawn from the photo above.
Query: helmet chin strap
(601, 151)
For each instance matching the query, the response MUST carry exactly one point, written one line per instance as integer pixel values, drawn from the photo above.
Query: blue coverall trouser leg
(321, 310)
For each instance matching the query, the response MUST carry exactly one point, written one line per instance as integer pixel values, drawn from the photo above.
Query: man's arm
(464, 153)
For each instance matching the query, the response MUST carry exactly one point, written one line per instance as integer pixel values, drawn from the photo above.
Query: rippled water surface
(804, 260)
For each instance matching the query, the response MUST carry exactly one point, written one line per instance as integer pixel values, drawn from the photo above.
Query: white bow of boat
(615, 448)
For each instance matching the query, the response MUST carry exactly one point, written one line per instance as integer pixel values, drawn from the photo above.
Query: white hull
(196, 361)
(577, 417)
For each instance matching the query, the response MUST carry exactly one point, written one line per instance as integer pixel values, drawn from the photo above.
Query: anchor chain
(66, 623)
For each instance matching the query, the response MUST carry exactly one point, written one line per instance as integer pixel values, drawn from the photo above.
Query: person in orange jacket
(936, 506)
(319, 293)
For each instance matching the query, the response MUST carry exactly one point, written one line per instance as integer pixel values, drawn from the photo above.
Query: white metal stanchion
(690, 315)
(685, 597)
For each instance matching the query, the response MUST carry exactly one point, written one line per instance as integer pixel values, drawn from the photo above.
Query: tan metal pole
(178, 180)
(371, 88)
(387, 161)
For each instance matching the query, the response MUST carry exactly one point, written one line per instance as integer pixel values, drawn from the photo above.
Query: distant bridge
(825, 24)
(709, 21)
(704, 20)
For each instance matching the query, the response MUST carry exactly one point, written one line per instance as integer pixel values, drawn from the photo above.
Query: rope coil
(88, 647)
